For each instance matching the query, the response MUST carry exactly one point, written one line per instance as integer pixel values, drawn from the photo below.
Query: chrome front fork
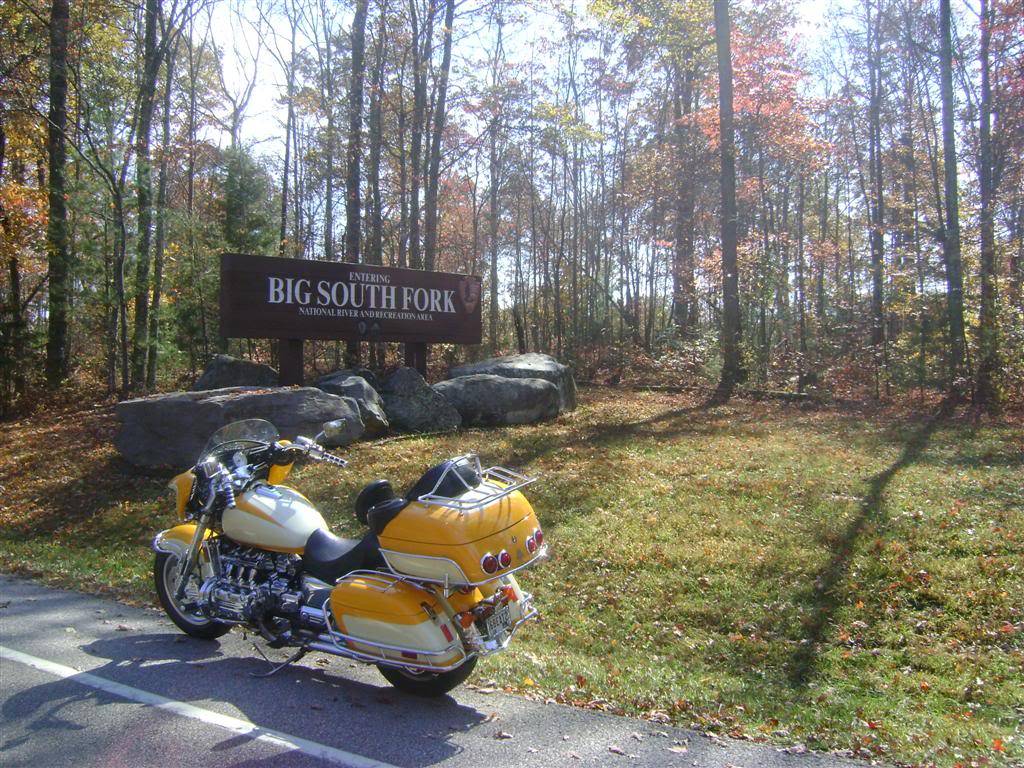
(188, 563)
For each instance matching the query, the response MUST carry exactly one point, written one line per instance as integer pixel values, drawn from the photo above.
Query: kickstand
(277, 668)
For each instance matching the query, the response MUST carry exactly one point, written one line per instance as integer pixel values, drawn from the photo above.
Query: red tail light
(538, 536)
(505, 559)
(531, 545)
(489, 563)
(447, 633)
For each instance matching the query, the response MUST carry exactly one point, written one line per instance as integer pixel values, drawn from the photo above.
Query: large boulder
(225, 371)
(345, 373)
(412, 406)
(529, 366)
(370, 404)
(171, 430)
(486, 400)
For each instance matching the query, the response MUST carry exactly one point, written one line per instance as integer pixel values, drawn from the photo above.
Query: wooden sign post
(292, 300)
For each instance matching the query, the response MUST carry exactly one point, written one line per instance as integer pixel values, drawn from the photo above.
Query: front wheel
(427, 684)
(165, 574)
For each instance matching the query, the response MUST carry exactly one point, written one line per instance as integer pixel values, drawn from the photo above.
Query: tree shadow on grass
(78, 502)
(824, 597)
(693, 419)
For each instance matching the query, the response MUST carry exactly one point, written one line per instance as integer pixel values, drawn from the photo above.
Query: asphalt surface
(90, 682)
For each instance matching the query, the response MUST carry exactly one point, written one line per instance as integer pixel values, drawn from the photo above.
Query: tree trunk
(684, 298)
(58, 248)
(731, 332)
(144, 191)
(494, 169)
(437, 133)
(985, 392)
(420, 48)
(877, 203)
(161, 225)
(951, 240)
(288, 127)
(355, 133)
(801, 293)
(376, 128)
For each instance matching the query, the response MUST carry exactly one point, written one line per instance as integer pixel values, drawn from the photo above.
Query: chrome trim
(157, 544)
(540, 554)
(331, 648)
(502, 480)
(407, 577)
(334, 636)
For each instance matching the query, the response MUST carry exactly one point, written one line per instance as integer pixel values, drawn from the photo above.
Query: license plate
(498, 623)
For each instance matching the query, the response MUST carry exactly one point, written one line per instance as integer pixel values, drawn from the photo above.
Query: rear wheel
(427, 684)
(192, 623)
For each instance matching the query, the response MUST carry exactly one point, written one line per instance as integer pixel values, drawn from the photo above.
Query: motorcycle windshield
(241, 434)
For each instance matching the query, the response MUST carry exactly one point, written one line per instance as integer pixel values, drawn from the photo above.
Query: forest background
(569, 153)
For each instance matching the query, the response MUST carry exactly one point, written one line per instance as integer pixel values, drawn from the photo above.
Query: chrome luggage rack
(495, 484)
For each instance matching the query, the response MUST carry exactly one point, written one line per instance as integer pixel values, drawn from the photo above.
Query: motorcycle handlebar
(316, 451)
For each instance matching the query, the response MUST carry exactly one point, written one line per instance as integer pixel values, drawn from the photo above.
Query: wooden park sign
(292, 300)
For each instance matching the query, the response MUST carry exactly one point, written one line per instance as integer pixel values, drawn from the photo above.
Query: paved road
(90, 682)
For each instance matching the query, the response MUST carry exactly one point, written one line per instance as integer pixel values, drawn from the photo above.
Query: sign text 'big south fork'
(263, 297)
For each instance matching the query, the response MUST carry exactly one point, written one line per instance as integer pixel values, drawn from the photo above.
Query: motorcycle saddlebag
(386, 618)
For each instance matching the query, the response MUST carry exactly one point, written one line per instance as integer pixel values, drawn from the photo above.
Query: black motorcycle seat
(329, 557)
(382, 514)
(372, 494)
(457, 482)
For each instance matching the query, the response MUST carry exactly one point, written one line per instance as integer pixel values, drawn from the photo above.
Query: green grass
(842, 579)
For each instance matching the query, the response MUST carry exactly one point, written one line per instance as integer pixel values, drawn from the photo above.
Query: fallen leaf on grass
(125, 628)
(502, 735)
(678, 750)
(491, 717)
(616, 750)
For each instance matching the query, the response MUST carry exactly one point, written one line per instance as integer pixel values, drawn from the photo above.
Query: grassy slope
(832, 578)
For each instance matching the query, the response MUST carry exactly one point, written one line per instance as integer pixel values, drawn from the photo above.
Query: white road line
(233, 724)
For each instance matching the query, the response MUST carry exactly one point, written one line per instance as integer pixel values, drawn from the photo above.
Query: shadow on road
(311, 702)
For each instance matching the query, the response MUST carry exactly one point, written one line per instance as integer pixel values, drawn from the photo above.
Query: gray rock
(412, 406)
(346, 430)
(529, 366)
(171, 430)
(486, 400)
(371, 407)
(345, 373)
(226, 371)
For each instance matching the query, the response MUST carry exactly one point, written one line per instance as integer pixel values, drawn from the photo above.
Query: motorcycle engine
(253, 585)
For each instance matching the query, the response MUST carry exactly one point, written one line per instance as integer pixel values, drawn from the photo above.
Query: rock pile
(171, 429)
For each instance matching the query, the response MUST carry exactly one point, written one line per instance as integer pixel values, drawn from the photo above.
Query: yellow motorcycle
(423, 595)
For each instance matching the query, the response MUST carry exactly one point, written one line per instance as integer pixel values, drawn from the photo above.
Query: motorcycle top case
(384, 617)
(445, 545)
